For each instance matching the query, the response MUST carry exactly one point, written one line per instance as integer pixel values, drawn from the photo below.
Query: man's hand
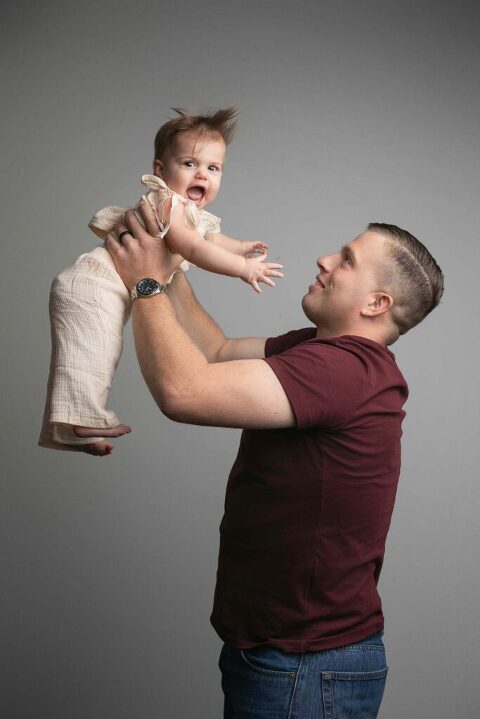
(103, 446)
(141, 253)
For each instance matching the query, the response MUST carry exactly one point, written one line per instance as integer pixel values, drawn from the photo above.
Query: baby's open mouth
(195, 193)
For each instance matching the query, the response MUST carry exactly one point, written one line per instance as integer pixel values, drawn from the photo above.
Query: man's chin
(307, 308)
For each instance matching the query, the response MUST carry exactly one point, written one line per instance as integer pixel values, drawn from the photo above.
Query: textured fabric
(307, 509)
(158, 191)
(89, 306)
(105, 220)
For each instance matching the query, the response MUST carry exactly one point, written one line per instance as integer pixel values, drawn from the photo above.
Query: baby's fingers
(272, 268)
(274, 273)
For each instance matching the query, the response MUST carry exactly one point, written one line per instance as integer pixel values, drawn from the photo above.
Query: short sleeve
(324, 383)
(275, 345)
(210, 223)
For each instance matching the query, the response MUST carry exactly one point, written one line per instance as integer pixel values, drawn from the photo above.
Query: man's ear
(158, 168)
(378, 304)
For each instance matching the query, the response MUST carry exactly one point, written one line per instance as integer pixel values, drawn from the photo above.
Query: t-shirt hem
(300, 646)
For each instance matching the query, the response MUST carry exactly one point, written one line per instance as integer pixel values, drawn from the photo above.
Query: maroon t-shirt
(307, 509)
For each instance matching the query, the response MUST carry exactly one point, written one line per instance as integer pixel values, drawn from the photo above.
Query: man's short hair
(414, 276)
(220, 122)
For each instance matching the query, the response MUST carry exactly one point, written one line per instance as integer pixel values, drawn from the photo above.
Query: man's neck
(373, 334)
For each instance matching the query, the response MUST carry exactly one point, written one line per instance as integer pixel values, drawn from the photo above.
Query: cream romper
(89, 306)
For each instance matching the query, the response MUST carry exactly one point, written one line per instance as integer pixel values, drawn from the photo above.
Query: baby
(89, 304)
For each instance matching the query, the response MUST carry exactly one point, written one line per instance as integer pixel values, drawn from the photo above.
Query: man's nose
(327, 263)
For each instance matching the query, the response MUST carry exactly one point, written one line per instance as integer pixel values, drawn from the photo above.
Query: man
(310, 496)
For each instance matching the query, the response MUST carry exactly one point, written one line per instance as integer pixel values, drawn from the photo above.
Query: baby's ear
(157, 168)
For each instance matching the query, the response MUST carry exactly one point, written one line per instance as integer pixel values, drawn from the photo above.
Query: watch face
(147, 287)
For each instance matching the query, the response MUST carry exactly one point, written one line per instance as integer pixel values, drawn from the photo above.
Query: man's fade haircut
(219, 122)
(415, 275)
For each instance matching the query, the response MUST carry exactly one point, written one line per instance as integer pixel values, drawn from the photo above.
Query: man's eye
(347, 260)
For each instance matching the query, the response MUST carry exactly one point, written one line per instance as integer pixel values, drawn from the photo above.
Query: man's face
(194, 167)
(345, 283)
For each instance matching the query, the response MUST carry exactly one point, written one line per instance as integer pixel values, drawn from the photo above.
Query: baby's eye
(189, 163)
(214, 168)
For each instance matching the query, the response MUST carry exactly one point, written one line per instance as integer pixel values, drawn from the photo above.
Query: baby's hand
(256, 270)
(253, 249)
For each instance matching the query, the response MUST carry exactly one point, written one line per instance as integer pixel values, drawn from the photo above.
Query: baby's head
(190, 152)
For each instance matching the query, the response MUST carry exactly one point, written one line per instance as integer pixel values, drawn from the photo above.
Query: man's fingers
(112, 244)
(124, 234)
(133, 224)
(117, 431)
(148, 216)
(121, 232)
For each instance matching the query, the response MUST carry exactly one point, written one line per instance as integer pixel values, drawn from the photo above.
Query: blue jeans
(266, 683)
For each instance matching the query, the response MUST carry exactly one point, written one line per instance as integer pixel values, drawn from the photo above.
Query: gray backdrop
(350, 112)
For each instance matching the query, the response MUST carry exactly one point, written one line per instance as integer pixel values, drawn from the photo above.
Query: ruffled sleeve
(208, 222)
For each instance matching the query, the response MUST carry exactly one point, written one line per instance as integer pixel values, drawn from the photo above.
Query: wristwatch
(147, 288)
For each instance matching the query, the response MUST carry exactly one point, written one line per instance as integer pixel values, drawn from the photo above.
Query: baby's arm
(187, 242)
(238, 247)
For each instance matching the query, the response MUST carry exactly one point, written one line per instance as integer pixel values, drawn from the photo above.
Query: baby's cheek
(216, 185)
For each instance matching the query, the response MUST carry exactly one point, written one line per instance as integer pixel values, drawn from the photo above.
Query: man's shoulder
(327, 380)
(344, 353)
(341, 343)
(284, 342)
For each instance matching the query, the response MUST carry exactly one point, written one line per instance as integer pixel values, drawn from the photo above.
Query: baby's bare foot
(103, 446)
(97, 449)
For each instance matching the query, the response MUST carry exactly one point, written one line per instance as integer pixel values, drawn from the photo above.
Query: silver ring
(122, 235)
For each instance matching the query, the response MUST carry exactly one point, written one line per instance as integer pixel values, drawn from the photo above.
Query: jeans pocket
(272, 661)
(350, 695)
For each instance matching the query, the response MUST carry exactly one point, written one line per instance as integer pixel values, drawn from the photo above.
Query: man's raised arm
(185, 384)
(196, 322)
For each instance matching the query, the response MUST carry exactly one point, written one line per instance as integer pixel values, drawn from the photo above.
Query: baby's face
(194, 167)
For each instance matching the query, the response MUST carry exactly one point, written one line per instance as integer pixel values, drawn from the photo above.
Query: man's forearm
(196, 322)
(187, 388)
(203, 330)
(169, 360)
(148, 258)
